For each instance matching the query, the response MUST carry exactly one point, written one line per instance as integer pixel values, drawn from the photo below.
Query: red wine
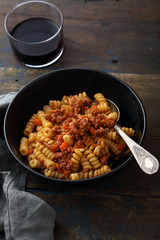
(33, 32)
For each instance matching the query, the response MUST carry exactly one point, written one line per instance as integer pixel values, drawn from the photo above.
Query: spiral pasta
(112, 135)
(89, 174)
(47, 108)
(113, 147)
(97, 150)
(77, 155)
(83, 94)
(65, 100)
(34, 163)
(54, 173)
(30, 125)
(73, 138)
(48, 133)
(128, 131)
(24, 146)
(45, 123)
(67, 108)
(86, 165)
(92, 159)
(113, 116)
(55, 104)
(103, 107)
(100, 98)
(101, 142)
(45, 150)
(32, 137)
(42, 138)
(43, 159)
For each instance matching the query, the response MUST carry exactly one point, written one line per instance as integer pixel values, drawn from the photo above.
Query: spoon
(147, 162)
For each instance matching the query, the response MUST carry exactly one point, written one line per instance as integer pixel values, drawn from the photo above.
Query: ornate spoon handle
(147, 162)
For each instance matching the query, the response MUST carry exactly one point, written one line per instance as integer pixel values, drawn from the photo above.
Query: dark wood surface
(121, 37)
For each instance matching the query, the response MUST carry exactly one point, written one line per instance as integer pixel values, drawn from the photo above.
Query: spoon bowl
(147, 162)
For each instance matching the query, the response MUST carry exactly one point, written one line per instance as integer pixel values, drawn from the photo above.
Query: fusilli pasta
(73, 138)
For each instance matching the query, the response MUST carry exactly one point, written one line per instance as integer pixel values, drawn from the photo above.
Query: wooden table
(120, 37)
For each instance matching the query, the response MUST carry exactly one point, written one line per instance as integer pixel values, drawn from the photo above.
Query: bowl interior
(55, 85)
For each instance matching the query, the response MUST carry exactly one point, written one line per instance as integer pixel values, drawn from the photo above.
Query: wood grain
(117, 36)
(103, 216)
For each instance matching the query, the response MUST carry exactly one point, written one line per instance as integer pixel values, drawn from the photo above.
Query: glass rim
(27, 2)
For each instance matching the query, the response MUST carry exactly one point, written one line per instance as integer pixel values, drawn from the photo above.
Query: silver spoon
(147, 162)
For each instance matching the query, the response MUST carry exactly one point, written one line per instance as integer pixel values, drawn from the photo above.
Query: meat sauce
(81, 126)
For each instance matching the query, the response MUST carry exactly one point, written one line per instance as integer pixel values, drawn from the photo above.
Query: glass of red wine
(35, 32)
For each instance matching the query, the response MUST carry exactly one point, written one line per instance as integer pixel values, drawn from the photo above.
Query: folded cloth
(23, 216)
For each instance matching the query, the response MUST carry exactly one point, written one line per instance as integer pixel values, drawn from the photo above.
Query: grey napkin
(23, 216)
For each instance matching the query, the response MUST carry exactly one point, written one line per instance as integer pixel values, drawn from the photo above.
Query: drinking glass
(35, 32)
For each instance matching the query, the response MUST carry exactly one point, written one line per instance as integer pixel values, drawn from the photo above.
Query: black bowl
(54, 85)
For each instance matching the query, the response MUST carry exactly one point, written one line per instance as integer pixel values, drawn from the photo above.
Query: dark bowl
(54, 85)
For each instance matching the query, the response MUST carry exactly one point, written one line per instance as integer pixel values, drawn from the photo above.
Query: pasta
(92, 158)
(24, 146)
(73, 138)
(35, 163)
(30, 125)
(103, 107)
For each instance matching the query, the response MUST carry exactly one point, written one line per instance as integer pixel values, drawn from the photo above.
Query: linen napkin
(23, 216)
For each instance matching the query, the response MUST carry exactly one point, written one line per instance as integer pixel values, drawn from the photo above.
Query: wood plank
(102, 216)
(117, 36)
(147, 88)
(96, 9)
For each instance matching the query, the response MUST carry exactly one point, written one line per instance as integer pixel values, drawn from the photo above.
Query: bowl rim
(75, 69)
